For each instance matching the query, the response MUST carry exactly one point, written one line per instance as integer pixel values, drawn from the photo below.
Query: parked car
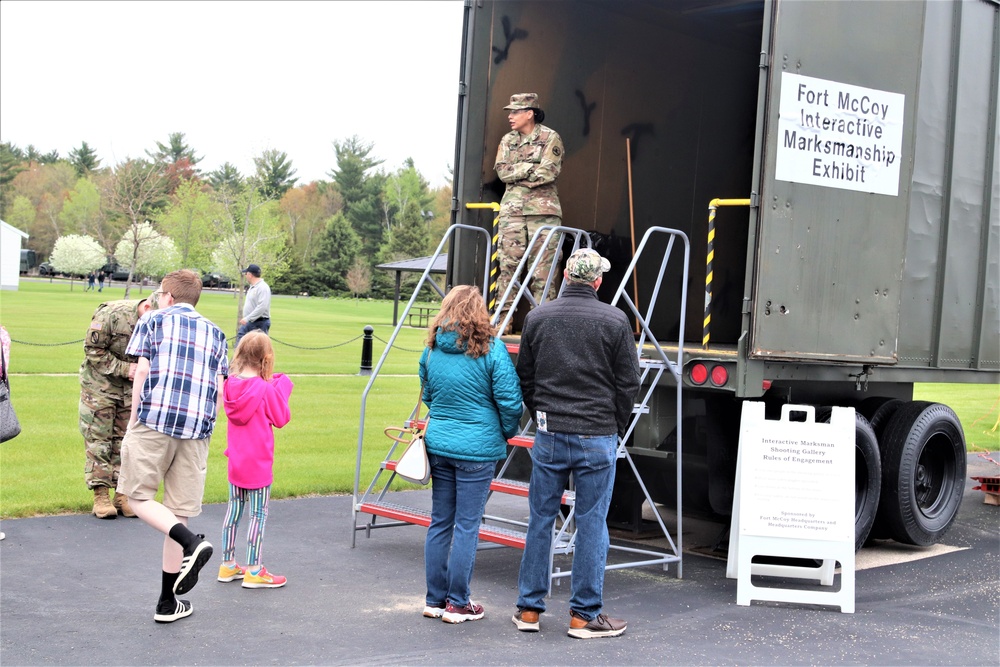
(216, 280)
(45, 269)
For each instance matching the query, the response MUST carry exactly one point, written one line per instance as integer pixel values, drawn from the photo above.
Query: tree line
(161, 211)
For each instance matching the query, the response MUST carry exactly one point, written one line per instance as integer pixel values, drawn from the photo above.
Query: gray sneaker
(602, 626)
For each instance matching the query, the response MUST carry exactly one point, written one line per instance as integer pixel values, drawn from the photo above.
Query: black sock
(167, 587)
(179, 533)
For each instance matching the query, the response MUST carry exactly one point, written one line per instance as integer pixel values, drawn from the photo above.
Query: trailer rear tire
(923, 472)
(867, 474)
(879, 410)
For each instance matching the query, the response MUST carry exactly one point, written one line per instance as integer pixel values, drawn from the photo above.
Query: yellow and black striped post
(491, 302)
(709, 256)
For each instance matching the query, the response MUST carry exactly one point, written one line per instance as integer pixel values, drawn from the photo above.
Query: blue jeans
(591, 459)
(459, 497)
(263, 324)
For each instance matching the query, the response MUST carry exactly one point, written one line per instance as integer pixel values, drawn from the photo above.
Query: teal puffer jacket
(475, 404)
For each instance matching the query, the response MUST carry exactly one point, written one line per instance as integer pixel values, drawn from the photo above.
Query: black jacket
(578, 364)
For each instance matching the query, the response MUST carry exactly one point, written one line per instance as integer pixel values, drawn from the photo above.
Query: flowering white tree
(76, 255)
(148, 251)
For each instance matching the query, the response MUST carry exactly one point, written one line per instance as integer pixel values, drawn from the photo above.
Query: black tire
(923, 472)
(879, 410)
(867, 474)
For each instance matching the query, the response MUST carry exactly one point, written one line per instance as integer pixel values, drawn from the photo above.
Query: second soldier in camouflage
(106, 399)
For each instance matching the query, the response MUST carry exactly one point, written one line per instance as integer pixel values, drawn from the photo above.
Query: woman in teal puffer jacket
(474, 397)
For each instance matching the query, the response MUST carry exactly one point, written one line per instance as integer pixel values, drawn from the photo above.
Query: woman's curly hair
(464, 312)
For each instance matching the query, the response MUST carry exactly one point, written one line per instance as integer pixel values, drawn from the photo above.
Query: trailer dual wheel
(879, 410)
(923, 472)
(867, 474)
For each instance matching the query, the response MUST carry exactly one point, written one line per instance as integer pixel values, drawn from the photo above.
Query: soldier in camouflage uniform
(529, 160)
(106, 399)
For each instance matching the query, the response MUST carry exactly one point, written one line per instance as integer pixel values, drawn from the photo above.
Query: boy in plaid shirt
(174, 405)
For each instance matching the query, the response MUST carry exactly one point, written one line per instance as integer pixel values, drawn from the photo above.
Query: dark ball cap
(254, 269)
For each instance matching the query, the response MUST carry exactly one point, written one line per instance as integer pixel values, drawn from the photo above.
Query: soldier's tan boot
(103, 509)
(121, 504)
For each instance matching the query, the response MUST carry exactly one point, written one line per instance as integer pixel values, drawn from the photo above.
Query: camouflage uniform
(529, 165)
(106, 390)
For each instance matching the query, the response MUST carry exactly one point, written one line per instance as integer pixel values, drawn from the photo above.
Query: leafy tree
(305, 212)
(249, 230)
(274, 173)
(177, 161)
(409, 239)
(31, 154)
(227, 176)
(361, 190)
(403, 187)
(47, 186)
(84, 159)
(148, 251)
(410, 236)
(338, 248)
(81, 211)
(359, 278)
(11, 164)
(22, 213)
(135, 191)
(189, 221)
(175, 150)
(76, 255)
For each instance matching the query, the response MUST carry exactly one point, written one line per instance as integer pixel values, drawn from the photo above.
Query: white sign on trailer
(839, 136)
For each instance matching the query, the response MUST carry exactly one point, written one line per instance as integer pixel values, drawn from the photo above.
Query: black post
(366, 351)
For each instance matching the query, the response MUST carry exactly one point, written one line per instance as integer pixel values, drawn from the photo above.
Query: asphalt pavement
(76, 590)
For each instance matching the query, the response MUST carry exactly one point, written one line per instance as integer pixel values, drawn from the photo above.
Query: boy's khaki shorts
(150, 457)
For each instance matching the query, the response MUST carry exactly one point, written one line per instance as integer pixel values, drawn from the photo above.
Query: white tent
(10, 255)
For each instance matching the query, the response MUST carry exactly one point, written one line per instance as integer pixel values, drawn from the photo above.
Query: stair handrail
(388, 346)
(522, 283)
(675, 367)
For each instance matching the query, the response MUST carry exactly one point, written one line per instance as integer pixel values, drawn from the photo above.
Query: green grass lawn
(41, 471)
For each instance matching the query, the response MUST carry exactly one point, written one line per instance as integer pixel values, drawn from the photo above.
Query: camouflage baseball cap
(522, 101)
(586, 266)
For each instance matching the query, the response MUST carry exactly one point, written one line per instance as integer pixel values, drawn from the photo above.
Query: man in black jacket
(579, 374)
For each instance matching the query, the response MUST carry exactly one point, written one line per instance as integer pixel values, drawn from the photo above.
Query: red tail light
(699, 374)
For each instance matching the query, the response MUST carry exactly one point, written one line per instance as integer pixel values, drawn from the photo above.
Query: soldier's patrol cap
(586, 265)
(522, 101)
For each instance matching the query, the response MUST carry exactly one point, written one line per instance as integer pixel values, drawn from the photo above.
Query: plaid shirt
(186, 355)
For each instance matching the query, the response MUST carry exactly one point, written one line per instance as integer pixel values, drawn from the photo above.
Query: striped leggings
(256, 501)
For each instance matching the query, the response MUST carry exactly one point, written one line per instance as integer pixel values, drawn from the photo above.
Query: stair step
(517, 441)
(514, 487)
(510, 487)
(419, 517)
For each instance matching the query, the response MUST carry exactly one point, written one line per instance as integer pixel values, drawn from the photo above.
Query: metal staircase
(371, 509)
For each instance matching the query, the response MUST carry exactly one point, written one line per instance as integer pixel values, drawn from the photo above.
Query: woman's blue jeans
(459, 494)
(591, 459)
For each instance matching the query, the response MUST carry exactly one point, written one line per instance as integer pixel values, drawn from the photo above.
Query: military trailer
(847, 155)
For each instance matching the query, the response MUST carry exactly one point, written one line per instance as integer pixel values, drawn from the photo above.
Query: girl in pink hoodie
(255, 398)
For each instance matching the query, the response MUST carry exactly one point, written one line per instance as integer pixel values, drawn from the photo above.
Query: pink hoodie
(253, 406)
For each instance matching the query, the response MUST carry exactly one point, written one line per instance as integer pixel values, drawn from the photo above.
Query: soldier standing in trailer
(528, 161)
(106, 399)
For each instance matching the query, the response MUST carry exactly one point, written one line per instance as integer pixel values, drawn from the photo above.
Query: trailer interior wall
(678, 79)
(949, 311)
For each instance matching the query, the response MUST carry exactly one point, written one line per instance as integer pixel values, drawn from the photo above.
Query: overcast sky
(236, 78)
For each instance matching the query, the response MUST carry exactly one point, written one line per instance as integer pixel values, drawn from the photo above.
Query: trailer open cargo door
(838, 160)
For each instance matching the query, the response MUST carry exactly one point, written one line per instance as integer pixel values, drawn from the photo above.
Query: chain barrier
(24, 342)
(298, 347)
(397, 347)
(302, 347)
